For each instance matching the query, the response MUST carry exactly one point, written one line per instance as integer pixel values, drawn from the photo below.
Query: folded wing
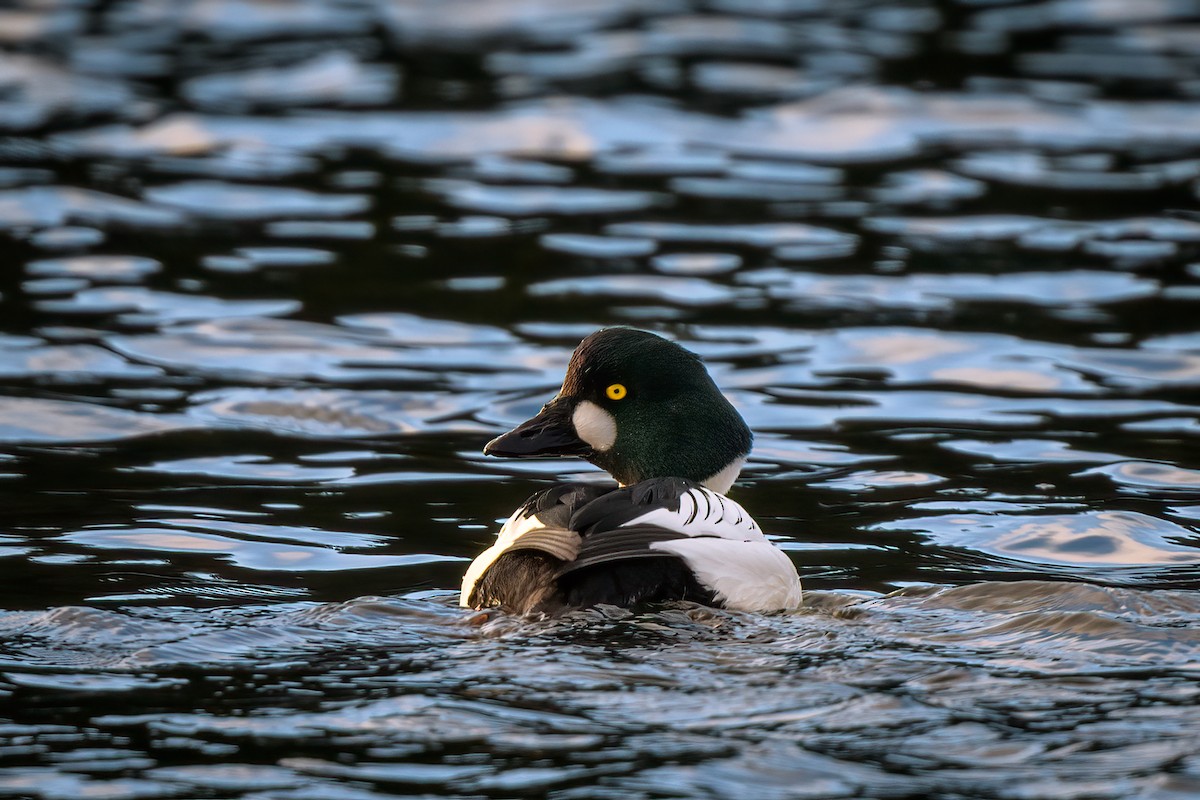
(635, 541)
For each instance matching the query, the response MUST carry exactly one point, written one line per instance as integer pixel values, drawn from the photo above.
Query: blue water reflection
(278, 268)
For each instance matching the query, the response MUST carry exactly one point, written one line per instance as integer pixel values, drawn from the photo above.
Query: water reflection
(242, 553)
(1087, 541)
(280, 268)
(814, 722)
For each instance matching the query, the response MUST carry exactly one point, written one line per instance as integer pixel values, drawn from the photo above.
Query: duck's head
(640, 407)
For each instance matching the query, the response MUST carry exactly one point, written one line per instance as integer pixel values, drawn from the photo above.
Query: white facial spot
(594, 425)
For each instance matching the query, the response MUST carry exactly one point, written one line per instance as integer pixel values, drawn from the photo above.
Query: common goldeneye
(646, 410)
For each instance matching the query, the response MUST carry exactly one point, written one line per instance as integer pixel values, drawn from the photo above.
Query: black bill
(550, 433)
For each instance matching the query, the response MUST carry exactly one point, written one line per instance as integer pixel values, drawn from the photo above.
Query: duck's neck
(720, 481)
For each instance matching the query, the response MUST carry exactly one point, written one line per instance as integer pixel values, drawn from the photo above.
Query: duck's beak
(550, 433)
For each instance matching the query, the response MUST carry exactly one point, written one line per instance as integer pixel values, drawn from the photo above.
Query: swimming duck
(645, 410)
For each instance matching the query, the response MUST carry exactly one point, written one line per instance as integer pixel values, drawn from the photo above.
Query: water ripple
(1091, 541)
(283, 266)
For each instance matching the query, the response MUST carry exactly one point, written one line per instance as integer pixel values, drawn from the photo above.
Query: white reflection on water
(1093, 540)
(100, 269)
(1143, 474)
(49, 421)
(248, 554)
(250, 468)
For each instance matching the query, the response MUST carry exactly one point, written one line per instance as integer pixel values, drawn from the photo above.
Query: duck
(645, 410)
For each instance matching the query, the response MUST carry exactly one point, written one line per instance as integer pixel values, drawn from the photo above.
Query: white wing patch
(727, 552)
(703, 512)
(514, 528)
(745, 576)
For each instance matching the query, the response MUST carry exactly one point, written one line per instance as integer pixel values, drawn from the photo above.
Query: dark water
(273, 271)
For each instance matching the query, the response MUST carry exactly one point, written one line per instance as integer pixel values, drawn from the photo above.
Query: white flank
(514, 528)
(745, 576)
(594, 425)
(720, 481)
(703, 512)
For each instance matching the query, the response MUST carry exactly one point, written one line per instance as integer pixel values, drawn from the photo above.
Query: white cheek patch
(594, 425)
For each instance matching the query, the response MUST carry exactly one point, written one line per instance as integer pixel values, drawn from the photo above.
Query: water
(275, 271)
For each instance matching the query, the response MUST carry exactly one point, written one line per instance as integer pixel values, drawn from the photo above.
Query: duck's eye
(617, 391)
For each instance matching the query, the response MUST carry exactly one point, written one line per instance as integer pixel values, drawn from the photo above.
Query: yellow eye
(616, 392)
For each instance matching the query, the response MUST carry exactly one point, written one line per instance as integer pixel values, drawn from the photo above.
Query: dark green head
(639, 407)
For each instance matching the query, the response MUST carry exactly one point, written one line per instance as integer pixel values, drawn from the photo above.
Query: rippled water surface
(274, 270)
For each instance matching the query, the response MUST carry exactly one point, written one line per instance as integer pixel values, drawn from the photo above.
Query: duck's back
(579, 545)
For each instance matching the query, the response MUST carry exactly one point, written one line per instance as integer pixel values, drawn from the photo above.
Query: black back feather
(621, 544)
(617, 507)
(630, 582)
(555, 506)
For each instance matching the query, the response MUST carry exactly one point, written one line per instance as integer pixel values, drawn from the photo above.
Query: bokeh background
(272, 271)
